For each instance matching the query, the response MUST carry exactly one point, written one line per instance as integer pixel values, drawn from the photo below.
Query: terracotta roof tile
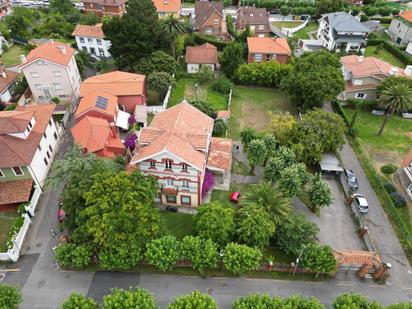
(268, 45)
(203, 54)
(89, 31)
(6, 81)
(172, 6)
(89, 103)
(220, 154)
(16, 191)
(223, 115)
(14, 121)
(407, 15)
(253, 15)
(91, 133)
(53, 51)
(204, 10)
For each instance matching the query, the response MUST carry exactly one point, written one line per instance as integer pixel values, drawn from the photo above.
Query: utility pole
(298, 259)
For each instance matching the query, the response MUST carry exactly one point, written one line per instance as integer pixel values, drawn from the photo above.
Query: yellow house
(168, 7)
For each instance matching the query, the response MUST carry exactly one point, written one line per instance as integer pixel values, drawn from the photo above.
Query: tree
(240, 259)
(314, 79)
(205, 74)
(320, 193)
(73, 256)
(318, 258)
(205, 108)
(358, 105)
(194, 300)
(255, 152)
(394, 96)
(135, 35)
(265, 74)
(354, 301)
(77, 301)
(270, 198)
(171, 28)
(10, 297)
(18, 25)
(231, 58)
(215, 221)
(253, 226)
(281, 126)
(160, 82)
(129, 299)
(298, 301)
(202, 253)
(295, 232)
(219, 127)
(247, 135)
(284, 157)
(163, 252)
(328, 6)
(158, 61)
(271, 145)
(62, 6)
(292, 179)
(254, 301)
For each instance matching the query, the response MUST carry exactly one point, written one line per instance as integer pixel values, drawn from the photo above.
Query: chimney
(23, 59)
(393, 71)
(360, 59)
(62, 49)
(408, 70)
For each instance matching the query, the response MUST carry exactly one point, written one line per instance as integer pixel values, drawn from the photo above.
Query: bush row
(265, 74)
(200, 39)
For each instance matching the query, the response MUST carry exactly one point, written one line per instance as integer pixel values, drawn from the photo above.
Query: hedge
(383, 20)
(201, 39)
(394, 50)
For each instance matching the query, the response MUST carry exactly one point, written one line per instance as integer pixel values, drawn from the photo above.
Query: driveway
(337, 227)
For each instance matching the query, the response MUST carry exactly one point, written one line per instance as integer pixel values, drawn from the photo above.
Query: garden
(11, 56)
(383, 54)
(8, 220)
(304, 33)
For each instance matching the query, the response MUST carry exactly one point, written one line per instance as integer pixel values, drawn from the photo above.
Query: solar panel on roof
(101, 102)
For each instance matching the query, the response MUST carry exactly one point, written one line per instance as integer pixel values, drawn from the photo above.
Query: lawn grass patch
(278, 256)
(6, 222)
(384, 55)
(286, 24)
(179, 224)
(303, 33)
(12, 56)
(224, 196)
(239, 168)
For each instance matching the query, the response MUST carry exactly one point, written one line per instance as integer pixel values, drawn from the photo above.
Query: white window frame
(258, 57)
(57, 73)
(34, 74)
(21, 170)
(169, 182)
(360, 95)
(2, 174)
(216, 21)
(185, 184)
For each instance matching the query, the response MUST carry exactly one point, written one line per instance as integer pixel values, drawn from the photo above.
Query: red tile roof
(19, 152)
(223, 115)
(171, 6)
(16, 191)
(220, 154)
(14, 121)
(88, 103)
(278, 46)
(203, 54)
(204, 10)
(407, 15)
(53, 51)
(6, 81)
(89, 31)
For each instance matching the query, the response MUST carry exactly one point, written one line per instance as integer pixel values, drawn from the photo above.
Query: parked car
(351, 179)
(234, 197)
(361, 203)
(171, 208)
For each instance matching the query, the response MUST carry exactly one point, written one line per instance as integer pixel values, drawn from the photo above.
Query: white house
(409, 47)
(91, 39)
(7, 84)
(197, 57)
(342, 32)
(51, 71)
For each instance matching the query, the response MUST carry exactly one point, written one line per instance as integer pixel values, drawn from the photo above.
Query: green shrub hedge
(200, 39)
(398, 200)
(389, 187)
(388, 169)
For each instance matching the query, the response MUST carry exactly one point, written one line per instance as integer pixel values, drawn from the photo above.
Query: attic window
(251, 15)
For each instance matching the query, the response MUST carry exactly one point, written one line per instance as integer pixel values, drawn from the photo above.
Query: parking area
(336, 224)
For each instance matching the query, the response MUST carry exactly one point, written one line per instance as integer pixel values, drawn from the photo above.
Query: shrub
(388, 169)
(10, 297)
(389, 187)
(75, 301)
(219, 127)
(163, 253)
(239, 259)
(222, 85)
(132, 298)
(194, 300)
(206, 108)
(200, 39)
(202, 253)
(265, 74)
(397, 199)
(55, 100)
(205, 74)
(71, 255)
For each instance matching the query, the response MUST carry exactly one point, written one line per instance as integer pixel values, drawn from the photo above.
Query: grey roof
(373, 25)
(344, 22)
(350, 38)
(204, 9)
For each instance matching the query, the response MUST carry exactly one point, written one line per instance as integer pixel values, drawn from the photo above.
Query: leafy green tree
(254, 226)
(129, 299)
(219, 127)
(318, 258)
(158, 61)
(215, 221)
(240, 259)
(171, 28)
(202, 253)
(283, 158)
(205, 107)
(10, 297)
(160, 82)
(357, 103)
(258, 301)
(231, 58)
(271, 145)
(247, 135)
(163, 252)
(328, 6)
(320, 193)
(194, 300)
(205, 74)
(292, 179)
(89, 19)
(265, 74)
(255, 152)
(281, 126)
(354, 301)
(135, 35)
(56, 25)
(73, 256)
(270, 198)
(121, 256)
(18, 25)
(295, 232)
(297, 301)
(314, 79)
(400, 306)
(394, 96)
(79, 301)
(61, 6)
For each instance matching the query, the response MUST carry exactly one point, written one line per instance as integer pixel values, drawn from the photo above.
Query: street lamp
(298, 259)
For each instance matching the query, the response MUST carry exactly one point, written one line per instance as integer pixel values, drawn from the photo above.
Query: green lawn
(384, 55)
(239, 168)
(179, 224)
(223, 196)
(12, 56)
(303, 33)
(251, 107)
(185, 89)
(5, 225)
(286, 24)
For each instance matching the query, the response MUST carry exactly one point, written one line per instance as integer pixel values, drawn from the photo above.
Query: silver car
(361, 203)
(351, 179)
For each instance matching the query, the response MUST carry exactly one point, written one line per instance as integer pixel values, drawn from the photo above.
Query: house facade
(267, 49)
(363, 74)
(7, 84)
(197, 57)
(209, 18)
(405, 174)
(168, 7)
(105, 8)
(51, 71)
(342, 32)
(400, 29)
(409, 47)
(91, 39)
(257, 19)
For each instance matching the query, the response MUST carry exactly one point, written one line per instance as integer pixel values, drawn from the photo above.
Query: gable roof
(117, 83)
(14, 121)
(15, 191)
(268, 45)
(181, 130)
(6, 81)
(204, 10)
(407, 15)
(52, 51)
(19, 152)
(172, 6)
(203, 54)
(90, 102)
(105, 2)
(253, 15)
(344, 22)
(89, 31)
(91, 133)
(220, 154)
(368, 66)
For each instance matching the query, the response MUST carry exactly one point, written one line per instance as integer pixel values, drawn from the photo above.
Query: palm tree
(394, 96)
(270, 197)
(172, 27)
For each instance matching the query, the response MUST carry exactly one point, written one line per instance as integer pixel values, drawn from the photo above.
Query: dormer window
(152, 164)
(184, 167)
(168, 164)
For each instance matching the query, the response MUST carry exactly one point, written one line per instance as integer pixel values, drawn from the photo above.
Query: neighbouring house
(51, 71)
(409, 47)
(209, 18)
(363, 75)
(178, 149)
(8, 80)
(341, 31)
(400, 29)
(5, 8)
(128, 88)
(91, 39)
(374, 26)
(266, 49)
(29, 139)
(168, 7)
(310, 45)
(98, 136)
(105, 8)
(197, 57)
(257, 19)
